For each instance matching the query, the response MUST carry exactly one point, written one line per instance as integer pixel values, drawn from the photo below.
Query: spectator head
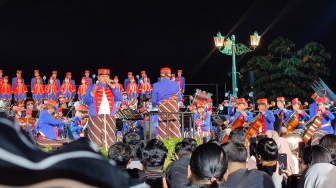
(218, 143)
(207, 165)
(131, 138)
(315, 154)
(192, 142)
(267, 150)
(182, 149)
(154, 155)
(329, 142)
(237, 135)
(235, 152)
(312, 155)
(120, 153)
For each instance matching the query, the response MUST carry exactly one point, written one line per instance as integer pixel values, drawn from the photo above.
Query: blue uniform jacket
(269, 119)
(74, 128)
(286, 113)
(164, 90)
(303, 116)
(90, 101)
(327, 116)
(46, 124)
(182, 86)
(206, 121)
(247, 118)
(313, 109)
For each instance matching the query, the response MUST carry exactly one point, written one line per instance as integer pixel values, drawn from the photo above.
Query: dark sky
(147, 35)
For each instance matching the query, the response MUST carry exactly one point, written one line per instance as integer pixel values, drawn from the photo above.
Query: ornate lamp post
(229, 47)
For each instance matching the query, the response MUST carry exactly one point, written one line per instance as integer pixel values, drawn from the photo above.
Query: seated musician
(282, 112)
(241, 110)
(18, 115)
(62, 127)
(29, 108)
(266, 115)
(76, 123)
(241, 113)
(202, 121)
(326, 115)
(47, 125)
(300, 114)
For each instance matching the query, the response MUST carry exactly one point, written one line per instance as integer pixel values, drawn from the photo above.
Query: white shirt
(104, 105)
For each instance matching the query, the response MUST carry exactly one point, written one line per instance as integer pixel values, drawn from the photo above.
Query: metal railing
(181, 120)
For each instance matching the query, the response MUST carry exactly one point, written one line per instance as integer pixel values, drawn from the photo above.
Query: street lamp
(229, 47)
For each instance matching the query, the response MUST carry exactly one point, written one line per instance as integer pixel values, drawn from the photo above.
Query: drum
(201, 96)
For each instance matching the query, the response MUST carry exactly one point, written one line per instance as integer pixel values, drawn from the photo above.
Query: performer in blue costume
(266, 114)
(181, 80)
(282, 112)
(101, 100)
(300, 114)
(165, 96)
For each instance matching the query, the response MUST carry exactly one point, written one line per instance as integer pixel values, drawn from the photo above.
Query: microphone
(110, 81)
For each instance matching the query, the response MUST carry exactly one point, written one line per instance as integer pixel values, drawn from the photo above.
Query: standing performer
(117, 84)
(143, 74)
(165, 95)
(87, 76)
(266, 115)
(1, 77)
(56, 80)
(14, 80)
(145, 89)
(6, 93)
(52, 91)
(20, 92)
(126, 81)
(132, 89)
(67, 89)
(101, 98)
(82, 88)
(71, 81)
(33, 80)
(38, 91)
(180, 79)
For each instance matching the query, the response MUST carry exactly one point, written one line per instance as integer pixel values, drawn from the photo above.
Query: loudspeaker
(251, 79)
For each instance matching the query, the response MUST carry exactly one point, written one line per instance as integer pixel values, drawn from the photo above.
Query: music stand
(131, 114)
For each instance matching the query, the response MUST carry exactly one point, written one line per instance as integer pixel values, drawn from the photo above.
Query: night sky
(147, 35)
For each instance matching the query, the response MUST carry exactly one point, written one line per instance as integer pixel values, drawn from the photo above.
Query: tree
(287, 73)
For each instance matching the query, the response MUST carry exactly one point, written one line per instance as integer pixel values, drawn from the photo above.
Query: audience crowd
(234, 164)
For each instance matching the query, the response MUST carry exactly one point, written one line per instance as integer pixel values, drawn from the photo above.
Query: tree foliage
(284, 72)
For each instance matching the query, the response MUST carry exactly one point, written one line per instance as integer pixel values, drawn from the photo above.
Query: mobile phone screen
(134, 164)
(282, 159)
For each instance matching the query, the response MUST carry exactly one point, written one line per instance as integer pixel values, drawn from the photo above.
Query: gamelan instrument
(312, 125)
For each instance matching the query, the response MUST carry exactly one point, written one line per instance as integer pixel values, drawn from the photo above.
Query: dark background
(148, 35)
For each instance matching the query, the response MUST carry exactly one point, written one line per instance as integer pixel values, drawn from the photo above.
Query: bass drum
(201, 96)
